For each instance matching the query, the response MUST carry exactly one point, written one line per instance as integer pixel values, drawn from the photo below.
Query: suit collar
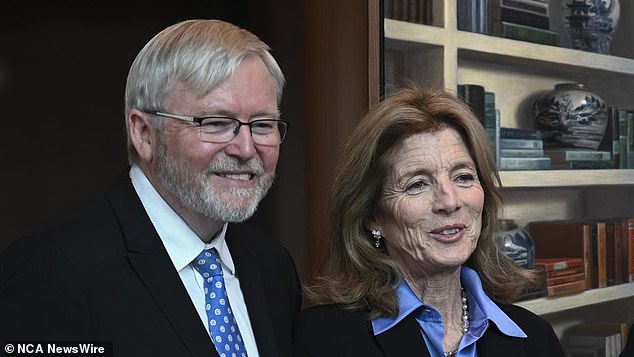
(403, 339)
(150, 260)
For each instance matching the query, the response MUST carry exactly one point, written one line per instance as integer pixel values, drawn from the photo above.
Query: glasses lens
(263, 131)
(268, 131)
(218, 130)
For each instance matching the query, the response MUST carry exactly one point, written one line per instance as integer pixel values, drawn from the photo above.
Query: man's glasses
(220, 129)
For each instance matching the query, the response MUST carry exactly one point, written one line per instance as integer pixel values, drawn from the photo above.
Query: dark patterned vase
(591, 23)
(516, 243)
(571, 115)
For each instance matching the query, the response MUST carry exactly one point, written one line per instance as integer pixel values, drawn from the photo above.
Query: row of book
(598, 339)
(524, 20)
(578, 255)
(514, 148)
(524, 149)
(416, 11)
(562, 275)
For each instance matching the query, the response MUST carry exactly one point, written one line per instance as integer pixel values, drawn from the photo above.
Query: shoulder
(259, 245)
(333, 319)
(329, 330)
(541, 338)
(524, 318)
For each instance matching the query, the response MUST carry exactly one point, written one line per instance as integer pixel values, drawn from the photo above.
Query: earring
(376, 234)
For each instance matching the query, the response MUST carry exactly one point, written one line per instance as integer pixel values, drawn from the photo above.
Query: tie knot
(208, 263)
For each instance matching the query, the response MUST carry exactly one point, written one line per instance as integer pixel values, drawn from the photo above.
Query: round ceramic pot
(571, 115)
(591, 23)
(516, 243)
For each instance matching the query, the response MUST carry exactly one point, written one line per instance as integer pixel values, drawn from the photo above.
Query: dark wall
(62, 78)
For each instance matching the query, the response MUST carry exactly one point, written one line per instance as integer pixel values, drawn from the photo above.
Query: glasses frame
(199, 120)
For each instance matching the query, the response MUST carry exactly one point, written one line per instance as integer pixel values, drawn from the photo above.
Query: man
(204, 133)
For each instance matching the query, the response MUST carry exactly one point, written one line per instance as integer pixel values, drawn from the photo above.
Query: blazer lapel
(252, 286)
(494, 343)
(404, 339)
(150, 260)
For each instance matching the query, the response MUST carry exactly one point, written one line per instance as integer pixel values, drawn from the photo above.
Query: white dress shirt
(183, 245)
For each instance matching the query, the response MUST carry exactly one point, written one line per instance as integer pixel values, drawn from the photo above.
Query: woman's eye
(465, 178)
(416, 187)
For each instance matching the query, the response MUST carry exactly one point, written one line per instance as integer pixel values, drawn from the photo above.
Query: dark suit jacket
(329, 331)
(104, 275)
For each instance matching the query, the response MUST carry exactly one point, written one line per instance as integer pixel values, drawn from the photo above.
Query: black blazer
(104, 275)
(329, 331)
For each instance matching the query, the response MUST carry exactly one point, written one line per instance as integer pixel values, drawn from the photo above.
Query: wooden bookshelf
(439, 55)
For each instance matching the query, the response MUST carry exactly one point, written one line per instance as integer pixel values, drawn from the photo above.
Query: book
(623, 140)
(521, 144)
(591, 165)
(473, 95)
(524, 163)
(473, 15)
(611, 255)
(630, 139)
(518, 133)
(417, 11)
(529, 34)
(521, 152)
(610, 140)
(558, 264)
(610, 336)
(564, 272)
(566, 288)
(624, 248)
(566, 279)
(561, 270)
(564, 238)
(523, 17)
(602, 273)
(535, 6)
(563, 158)
(489, 110)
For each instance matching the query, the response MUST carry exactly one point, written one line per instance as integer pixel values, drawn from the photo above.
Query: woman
(413, 269)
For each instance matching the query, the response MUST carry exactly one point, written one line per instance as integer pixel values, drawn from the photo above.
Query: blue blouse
(482, 311)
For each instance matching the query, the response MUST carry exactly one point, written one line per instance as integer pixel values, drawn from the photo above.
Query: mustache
(227, 163)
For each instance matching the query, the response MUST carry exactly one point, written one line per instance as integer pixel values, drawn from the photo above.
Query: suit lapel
(494, 343)
(404, 339)
(252, 287)
(150, 260)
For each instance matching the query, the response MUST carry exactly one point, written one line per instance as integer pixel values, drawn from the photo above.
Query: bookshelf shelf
(566, 178)
(549, 305)
(499, 50)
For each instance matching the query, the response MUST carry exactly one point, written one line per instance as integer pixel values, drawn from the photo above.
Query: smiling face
(222, 181)
(432, 201)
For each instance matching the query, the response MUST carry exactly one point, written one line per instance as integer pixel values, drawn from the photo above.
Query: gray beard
(195, 192)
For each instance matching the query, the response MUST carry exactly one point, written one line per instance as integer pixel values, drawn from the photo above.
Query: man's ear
(141, 134)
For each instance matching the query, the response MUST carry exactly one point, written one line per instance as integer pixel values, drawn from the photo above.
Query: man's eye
(263, 126)
(217, 124)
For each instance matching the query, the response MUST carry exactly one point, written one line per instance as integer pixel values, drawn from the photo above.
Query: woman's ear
(141, 134)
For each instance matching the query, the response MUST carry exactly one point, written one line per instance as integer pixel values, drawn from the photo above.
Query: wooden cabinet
(438, 55)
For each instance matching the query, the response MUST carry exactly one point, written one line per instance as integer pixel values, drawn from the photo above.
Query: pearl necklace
(465, 321)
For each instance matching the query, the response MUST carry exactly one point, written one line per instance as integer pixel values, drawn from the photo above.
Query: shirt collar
(484, 309)
(180, 241)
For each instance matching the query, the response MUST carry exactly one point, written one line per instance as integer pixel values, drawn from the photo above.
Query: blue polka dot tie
(222, 324)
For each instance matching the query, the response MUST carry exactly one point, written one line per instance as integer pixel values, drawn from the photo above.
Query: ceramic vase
(516, 243)
(591, 23)
(571, 115)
